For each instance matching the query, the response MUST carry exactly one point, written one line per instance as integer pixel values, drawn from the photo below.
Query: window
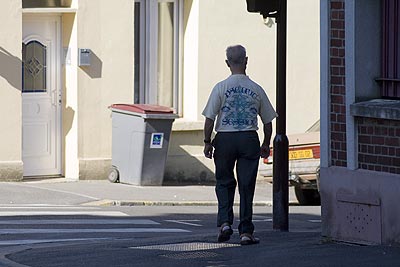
(390, 50)
(157, 52)
(34, 65)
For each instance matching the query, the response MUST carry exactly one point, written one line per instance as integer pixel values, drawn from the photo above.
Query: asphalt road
(62, 223)
(73, 235)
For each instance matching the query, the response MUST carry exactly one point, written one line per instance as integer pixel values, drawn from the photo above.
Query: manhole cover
(194, 246)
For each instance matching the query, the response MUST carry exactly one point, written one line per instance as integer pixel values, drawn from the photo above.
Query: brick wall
(338, 85)
(379, 145)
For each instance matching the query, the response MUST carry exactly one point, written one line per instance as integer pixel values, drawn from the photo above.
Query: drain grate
(190, 255)
(194, 246)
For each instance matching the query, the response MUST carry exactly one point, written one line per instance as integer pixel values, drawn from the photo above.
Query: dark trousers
(242, 149)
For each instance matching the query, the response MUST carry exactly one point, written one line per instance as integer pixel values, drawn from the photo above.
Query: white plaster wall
(70, 97)
(10, 89)
(303, 65)
(227, 22)
(190, 59)
(107, 29)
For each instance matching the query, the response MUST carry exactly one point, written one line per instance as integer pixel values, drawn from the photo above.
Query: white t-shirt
(236, 102)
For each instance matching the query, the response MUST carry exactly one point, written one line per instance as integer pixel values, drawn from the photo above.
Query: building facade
(55, 117)
(360, 121)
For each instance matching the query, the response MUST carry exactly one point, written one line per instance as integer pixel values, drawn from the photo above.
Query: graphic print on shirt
(240, 108)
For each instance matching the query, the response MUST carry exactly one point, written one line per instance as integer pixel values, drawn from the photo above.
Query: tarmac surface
(294, 248)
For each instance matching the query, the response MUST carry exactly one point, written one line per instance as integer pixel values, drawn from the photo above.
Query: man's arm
(208, 128)
(264, 153)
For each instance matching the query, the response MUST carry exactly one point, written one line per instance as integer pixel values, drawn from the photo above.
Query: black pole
(281, 143)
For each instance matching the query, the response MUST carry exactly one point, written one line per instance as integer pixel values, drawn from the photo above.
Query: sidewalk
(66, 192)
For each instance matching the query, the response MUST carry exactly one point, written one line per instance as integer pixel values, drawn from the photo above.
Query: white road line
(260, 218)
(315, 221)
(80, 231)
(61, 213)
(185, 222)
(79, 221)
(37, 205)
(47, 207)
(38, 241)
(264, 220)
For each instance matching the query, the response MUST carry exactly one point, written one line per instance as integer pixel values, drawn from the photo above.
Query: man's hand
(208, 150)
(208, 128)
(264, 151)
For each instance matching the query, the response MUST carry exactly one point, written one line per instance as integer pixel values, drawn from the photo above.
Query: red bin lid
(143, 108)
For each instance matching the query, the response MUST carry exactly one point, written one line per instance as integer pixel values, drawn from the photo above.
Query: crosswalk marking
(186, 222)
(92, 230)
(38, 241)
(61, 213)
(46, 207)
(93, 223)
(80, 221)
(261, 220)
(315, 221)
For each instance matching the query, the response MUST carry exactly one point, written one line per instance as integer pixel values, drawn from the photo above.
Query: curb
(127, 203)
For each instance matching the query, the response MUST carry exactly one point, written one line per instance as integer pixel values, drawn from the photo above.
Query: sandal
(225, 233)
(248, 239)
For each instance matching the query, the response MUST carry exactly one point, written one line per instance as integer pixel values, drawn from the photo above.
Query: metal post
(281, 143)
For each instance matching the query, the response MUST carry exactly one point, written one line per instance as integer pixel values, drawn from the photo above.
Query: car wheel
(307, 196)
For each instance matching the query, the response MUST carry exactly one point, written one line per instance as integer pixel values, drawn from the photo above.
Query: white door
(41, 95)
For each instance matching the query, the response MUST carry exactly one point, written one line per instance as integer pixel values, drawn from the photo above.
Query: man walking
(235, 103)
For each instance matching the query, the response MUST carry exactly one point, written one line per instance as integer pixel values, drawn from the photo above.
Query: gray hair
(236, 54)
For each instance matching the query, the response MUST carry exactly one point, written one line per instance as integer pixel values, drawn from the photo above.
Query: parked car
(304, 162)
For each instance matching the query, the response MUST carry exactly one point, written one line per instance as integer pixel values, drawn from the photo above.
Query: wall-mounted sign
(156, 140)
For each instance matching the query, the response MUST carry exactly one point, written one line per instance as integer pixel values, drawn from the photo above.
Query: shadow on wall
(67, 122)
(9, 64)
(68, 114)
(96, 67)
(186, 164)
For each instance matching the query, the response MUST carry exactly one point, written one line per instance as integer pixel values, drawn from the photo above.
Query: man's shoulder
(255, 86)
(221, 84)
(254, 82)
(224, 81)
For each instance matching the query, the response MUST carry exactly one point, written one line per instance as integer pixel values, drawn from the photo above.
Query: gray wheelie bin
(140, 139)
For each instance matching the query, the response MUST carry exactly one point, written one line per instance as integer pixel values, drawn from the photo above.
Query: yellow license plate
(301, 154)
